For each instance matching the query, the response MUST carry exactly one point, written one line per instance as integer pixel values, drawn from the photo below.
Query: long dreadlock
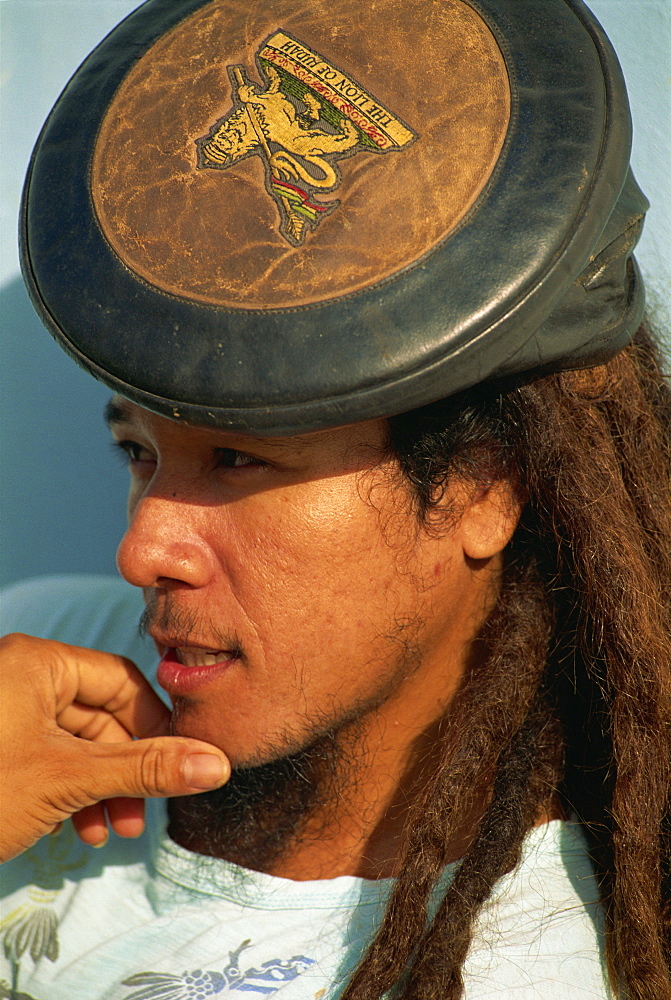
(574, 699)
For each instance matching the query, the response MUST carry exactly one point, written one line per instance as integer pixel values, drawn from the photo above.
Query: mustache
(163, 616)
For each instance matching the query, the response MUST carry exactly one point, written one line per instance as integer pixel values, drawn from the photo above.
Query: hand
(68, 718)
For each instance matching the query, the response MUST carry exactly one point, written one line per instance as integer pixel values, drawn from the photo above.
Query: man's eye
(230, 458)
(133, 451)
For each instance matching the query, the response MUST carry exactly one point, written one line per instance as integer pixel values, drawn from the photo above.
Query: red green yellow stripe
(298, 199)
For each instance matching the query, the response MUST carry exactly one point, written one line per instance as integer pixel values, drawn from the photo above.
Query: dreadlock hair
(574, 699)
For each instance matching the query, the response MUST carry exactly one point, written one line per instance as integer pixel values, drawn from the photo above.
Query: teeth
(192, 657)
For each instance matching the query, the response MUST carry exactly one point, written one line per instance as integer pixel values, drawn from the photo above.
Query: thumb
(75, 774)
(149, 768)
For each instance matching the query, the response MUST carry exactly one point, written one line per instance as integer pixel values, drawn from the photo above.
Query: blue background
(62, 491)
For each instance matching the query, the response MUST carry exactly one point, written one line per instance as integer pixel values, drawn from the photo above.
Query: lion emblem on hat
(308, 115)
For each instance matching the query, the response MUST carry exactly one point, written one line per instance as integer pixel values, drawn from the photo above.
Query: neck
(364, 836)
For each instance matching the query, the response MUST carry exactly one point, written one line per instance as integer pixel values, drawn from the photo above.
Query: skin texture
(302, 559)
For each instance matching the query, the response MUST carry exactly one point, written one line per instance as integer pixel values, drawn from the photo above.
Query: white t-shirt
(148, 920)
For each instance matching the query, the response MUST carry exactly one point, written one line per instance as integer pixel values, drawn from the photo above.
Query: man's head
(272, 248)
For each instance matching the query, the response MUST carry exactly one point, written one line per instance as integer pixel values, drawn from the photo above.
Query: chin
(242, 749)
(188, 719)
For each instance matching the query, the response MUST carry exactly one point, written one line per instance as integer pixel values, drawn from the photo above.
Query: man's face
(289, 587)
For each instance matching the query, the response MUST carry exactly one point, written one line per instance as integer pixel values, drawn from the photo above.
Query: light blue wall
(61, 491)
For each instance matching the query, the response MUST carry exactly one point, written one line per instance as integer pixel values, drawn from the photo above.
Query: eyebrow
(115, 412)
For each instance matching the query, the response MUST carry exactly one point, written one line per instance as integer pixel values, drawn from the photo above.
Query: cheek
(316, 571)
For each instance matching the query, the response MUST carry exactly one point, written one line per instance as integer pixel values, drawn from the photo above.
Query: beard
(263, 809)
(290, 793)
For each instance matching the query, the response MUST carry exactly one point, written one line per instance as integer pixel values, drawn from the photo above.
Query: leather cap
(280, 216)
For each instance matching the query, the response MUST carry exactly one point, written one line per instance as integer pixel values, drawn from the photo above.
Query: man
(399, 509)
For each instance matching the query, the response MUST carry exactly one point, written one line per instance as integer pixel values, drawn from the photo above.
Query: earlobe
(489, 521)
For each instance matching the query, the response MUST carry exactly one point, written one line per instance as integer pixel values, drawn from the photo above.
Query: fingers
(55, 676)
(91, 825)
(126, 817)
(67, 720)
(68, 777)
(92, 724)
(108, 682)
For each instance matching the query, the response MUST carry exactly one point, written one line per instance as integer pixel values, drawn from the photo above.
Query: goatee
(263, 809)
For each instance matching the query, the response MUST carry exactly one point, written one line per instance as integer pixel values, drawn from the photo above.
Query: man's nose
(162, 547)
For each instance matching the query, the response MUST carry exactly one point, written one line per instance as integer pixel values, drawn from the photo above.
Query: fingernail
(203, 770)
(101, 843)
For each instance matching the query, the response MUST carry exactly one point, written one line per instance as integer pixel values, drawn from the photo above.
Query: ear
(489, 520)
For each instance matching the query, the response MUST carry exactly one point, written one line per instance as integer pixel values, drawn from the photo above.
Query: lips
(184, 669)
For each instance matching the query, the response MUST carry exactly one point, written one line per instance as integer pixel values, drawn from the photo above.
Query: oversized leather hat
(282, 215)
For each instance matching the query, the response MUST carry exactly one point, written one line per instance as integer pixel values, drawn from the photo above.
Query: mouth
(183, 669)
(193, 656)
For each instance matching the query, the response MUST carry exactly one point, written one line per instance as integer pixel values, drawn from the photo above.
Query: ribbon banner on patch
(309, 115)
